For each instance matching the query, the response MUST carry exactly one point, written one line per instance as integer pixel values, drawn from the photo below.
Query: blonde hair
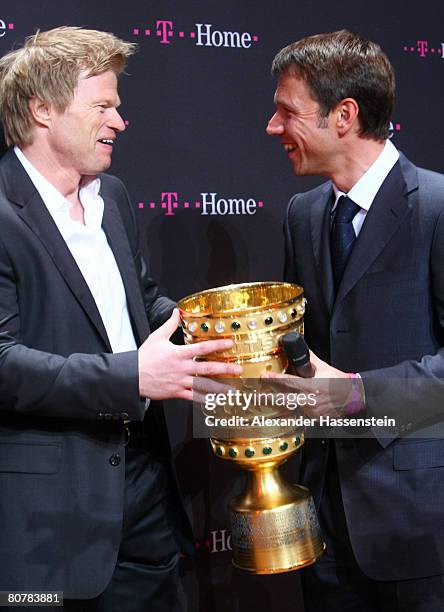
(48, 67)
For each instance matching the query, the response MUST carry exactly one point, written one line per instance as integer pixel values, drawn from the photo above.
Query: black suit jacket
(64, 395)
(386, 322)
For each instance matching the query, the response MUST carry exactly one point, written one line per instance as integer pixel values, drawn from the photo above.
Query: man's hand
(167, 370)
(331, 386)
(324, 370)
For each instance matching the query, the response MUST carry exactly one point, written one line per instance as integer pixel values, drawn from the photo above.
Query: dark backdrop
(196, 112)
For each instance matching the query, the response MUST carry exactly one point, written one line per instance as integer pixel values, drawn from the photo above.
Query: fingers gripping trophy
(274, 527)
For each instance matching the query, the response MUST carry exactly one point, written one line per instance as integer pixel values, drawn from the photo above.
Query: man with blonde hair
(87, 501)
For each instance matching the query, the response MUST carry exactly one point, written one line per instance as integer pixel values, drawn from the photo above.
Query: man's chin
(297, 166)
(297, 170)
(89, 174)
(103, 166)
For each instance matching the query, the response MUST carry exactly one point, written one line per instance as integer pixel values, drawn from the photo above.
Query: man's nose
(274, 127)
(116, 122)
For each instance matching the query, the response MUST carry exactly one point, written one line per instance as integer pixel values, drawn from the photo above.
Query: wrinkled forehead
(102, 86)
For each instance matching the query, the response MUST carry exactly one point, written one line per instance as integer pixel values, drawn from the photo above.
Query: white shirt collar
(364, 191)
(55, 202)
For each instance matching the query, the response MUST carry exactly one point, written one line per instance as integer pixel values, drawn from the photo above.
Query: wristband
(357, 398)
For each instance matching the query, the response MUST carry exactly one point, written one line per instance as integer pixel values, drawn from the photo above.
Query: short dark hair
(339, 65)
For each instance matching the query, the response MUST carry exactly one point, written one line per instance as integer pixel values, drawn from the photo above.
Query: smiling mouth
(289, 147)
(106, 141)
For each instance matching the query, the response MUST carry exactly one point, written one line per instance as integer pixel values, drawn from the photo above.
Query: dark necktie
(343, 236)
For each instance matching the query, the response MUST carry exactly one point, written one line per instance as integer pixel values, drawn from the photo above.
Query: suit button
(114, 460)
(324, 443)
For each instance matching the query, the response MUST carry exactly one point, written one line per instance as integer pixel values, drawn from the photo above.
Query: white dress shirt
(364, 191)
(91, 251)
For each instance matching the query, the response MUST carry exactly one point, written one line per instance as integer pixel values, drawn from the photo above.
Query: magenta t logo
(169, 201)
(423, 47)
(164, 30)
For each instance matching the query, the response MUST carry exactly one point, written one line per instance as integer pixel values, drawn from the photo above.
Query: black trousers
(335, 582)
(146, 577)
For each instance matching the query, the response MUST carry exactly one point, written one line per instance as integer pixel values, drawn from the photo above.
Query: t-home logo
(216, 541)
(209, 203)
(165, 31)
(5, 26)
(425, 49)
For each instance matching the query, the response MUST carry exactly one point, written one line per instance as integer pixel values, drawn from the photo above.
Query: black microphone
(298, 355)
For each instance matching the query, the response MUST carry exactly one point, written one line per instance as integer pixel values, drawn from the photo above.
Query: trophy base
(277, 539)
(281, 570)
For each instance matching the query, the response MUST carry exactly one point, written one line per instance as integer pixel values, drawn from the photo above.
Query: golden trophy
(274, 527)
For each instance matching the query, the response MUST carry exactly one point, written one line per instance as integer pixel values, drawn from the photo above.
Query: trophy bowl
(274, 527)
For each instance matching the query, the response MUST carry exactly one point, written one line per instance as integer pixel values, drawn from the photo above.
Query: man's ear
(41, 111)
(346, 115)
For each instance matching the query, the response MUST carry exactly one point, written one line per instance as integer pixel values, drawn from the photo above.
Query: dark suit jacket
(386, 322)
(64, 395)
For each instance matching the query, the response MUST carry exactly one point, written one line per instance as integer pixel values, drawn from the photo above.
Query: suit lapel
(39, 220)
(20, 190)
(118, 241)
(320, 237)
(388, 211)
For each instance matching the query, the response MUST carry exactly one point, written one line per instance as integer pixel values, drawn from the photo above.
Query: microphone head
(295, 348)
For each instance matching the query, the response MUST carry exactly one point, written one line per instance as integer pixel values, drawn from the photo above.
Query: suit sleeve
(412, 392)
(37, 383)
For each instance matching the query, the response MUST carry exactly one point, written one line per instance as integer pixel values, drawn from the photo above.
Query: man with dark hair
(87, 501)
(368, 248)
(343, 65)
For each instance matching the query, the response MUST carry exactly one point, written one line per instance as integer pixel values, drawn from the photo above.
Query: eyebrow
(279, 102)
(107, 101)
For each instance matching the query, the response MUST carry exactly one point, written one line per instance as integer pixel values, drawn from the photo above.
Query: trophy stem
(266, 488)
(274, 526)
